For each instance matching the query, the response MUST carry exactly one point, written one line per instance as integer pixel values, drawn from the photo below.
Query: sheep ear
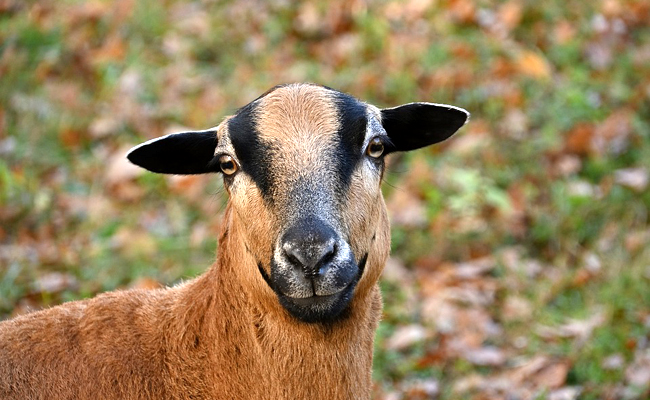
(179, 153)
(415, 125)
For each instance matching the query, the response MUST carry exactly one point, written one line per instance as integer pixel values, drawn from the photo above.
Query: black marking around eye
(351, 135)
(254, 158)
(252, 154)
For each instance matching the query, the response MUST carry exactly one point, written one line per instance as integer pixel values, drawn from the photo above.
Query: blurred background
(520, 261)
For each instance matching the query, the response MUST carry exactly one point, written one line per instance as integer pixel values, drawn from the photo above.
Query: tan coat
(225, 334)
(209, 338)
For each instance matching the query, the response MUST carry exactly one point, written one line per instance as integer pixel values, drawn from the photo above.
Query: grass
(559, 102)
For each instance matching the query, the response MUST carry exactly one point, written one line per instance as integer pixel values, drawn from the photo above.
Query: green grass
(190, 64)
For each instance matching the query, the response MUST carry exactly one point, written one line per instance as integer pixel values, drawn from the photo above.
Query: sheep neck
(272, 354)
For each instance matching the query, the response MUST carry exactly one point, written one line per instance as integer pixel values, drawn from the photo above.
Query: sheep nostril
(328, 252)
(311, 258)
(292, 254)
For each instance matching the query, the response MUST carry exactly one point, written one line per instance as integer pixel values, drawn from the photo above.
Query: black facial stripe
(248, 148)
(353, 120)
(253, 155)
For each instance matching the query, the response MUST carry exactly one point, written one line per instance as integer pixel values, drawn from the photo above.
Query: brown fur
(219, 336)
(222, 335)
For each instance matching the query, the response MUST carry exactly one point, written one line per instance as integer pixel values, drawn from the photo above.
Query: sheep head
(303, 165)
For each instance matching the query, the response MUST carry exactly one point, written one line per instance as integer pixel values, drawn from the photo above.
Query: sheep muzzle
(314, 271)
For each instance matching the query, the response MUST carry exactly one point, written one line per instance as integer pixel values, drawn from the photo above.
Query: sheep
(289, 308)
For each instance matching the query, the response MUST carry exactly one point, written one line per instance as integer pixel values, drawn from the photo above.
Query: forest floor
(520, 261)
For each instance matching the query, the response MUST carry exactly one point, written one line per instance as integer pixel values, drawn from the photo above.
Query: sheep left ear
(415, 125)
(179, 153)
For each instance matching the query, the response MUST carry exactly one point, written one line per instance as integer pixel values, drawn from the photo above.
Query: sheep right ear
(415, 125)
(179, 153)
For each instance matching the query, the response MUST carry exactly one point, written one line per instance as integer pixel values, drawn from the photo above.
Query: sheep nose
(310, 257)
(310, 249)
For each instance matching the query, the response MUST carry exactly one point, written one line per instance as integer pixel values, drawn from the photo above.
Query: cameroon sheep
(290, 307)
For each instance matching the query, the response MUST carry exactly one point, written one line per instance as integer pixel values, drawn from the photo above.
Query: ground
(521, 257)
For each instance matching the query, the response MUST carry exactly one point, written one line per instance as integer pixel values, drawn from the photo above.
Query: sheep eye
(227, 165)
(375, 148)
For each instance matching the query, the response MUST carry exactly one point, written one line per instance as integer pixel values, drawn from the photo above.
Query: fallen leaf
(464, 11)
(119, 177)
(510, 13)
(476, 137)
(471, 382)
(633, 178)
(104, 126)
(567, 165)
(70, 137)
(516, 308)
(87, 11)
(613, 362)
(191, 20)
(422, 389)
(552, 376)
(406, 336)
(600, 55)
(475, 268)
(564, 32)
(130, 83)
(592, 262)
(612, 8)
(582, 188)
(566, 393)
(638, 372)
(612, 136)
(488, 355)
(54, 282)
(406, 210)
(308, 21)
(200, 233)
(578, 139)
(580, 329)
(113, 50)
(120, 169)
(515, 123)
(192, 187)
(7, 145)
(395, 271)
(393, 395)
(513, 260)
(533, 64)
(133, 243)
(636, 241)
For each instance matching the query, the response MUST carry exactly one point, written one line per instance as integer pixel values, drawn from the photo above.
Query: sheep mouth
(318, 308)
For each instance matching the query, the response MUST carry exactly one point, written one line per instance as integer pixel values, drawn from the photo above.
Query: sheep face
(309, 192)
(303, 166)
